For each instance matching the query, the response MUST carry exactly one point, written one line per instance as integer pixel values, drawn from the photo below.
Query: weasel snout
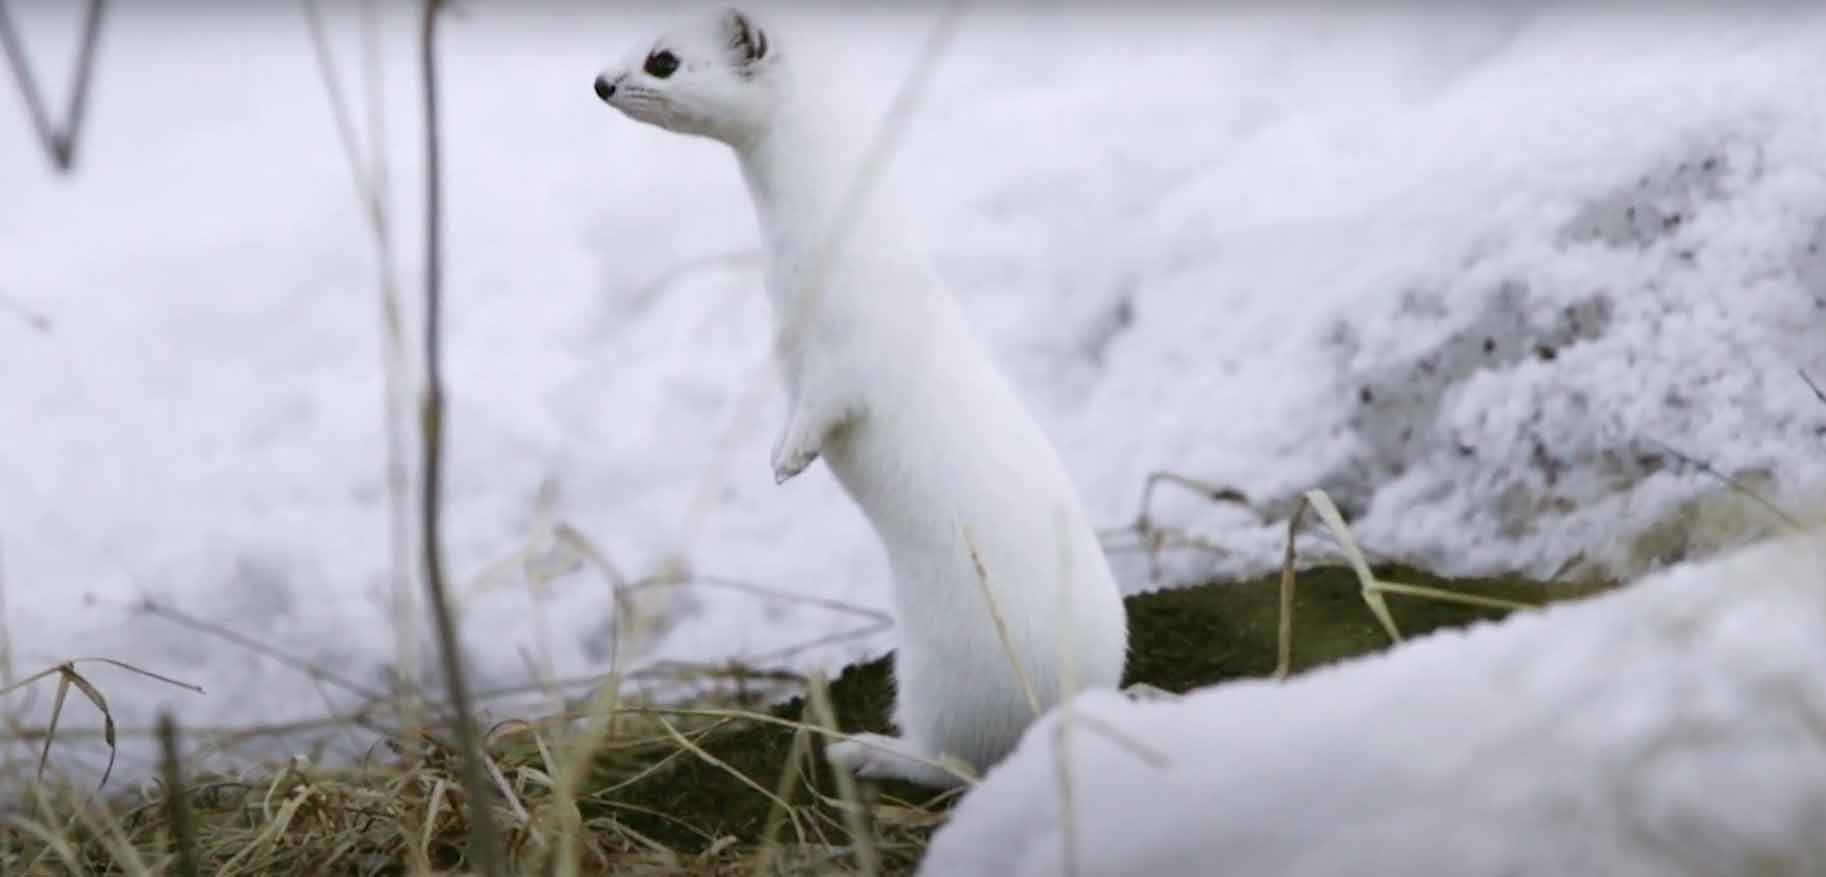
(605, 88)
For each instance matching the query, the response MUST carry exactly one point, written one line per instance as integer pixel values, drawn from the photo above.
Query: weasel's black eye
(661, 64)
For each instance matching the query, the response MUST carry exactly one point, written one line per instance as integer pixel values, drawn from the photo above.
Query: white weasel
(891, 388)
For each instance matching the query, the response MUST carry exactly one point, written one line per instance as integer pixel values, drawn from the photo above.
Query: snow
(1673, 727)
(1259, 245)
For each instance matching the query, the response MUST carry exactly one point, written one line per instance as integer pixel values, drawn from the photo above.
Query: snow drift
(1675, 727)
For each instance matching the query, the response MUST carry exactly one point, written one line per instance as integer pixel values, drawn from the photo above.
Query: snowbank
(1675, 727)
(1466, 270)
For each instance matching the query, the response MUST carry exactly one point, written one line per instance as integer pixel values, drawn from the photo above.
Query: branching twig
(1151, 539)
(1215, 493)
(485, 841)
(59, 140)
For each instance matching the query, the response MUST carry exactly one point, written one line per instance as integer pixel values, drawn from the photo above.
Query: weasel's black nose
(604, 88)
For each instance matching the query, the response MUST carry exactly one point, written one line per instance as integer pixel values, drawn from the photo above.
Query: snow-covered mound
(1674, 727)
(1477, 272)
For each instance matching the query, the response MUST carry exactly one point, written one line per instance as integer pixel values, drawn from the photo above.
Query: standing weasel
(889, 385)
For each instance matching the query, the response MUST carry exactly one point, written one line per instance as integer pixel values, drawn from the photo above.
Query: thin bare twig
(371, 191)
(1706, 468)
(484, 836)
(1212, 492)
(230, 635)
(1808, 380)
(1151, 539)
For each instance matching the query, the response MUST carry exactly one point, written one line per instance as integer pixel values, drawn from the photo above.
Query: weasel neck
(799, 174)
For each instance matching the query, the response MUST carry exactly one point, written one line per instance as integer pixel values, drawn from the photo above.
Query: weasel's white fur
(891, 388)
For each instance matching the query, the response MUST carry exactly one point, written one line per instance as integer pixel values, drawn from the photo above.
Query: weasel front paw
(851, 756)
(789, 461)
(869, 756)
(880, 757)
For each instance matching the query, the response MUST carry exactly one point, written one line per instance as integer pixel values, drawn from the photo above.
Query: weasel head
(716, 77)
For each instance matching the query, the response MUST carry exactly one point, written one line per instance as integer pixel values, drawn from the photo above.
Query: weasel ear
(745, 39)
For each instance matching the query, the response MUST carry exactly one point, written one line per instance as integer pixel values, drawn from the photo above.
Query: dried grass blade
(784, 789)
(1446, 596)
(50, 731)
(1001, 624)
(818, 697)
(1328, 512)
(107, 718)
(1283, 663)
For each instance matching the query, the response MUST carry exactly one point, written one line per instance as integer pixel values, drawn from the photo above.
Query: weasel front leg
(814, 416)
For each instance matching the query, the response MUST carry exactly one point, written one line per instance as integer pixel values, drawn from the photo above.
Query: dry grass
(644, 804)
(723, 784)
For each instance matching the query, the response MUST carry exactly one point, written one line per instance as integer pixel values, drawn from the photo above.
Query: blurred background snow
(1486, 273)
